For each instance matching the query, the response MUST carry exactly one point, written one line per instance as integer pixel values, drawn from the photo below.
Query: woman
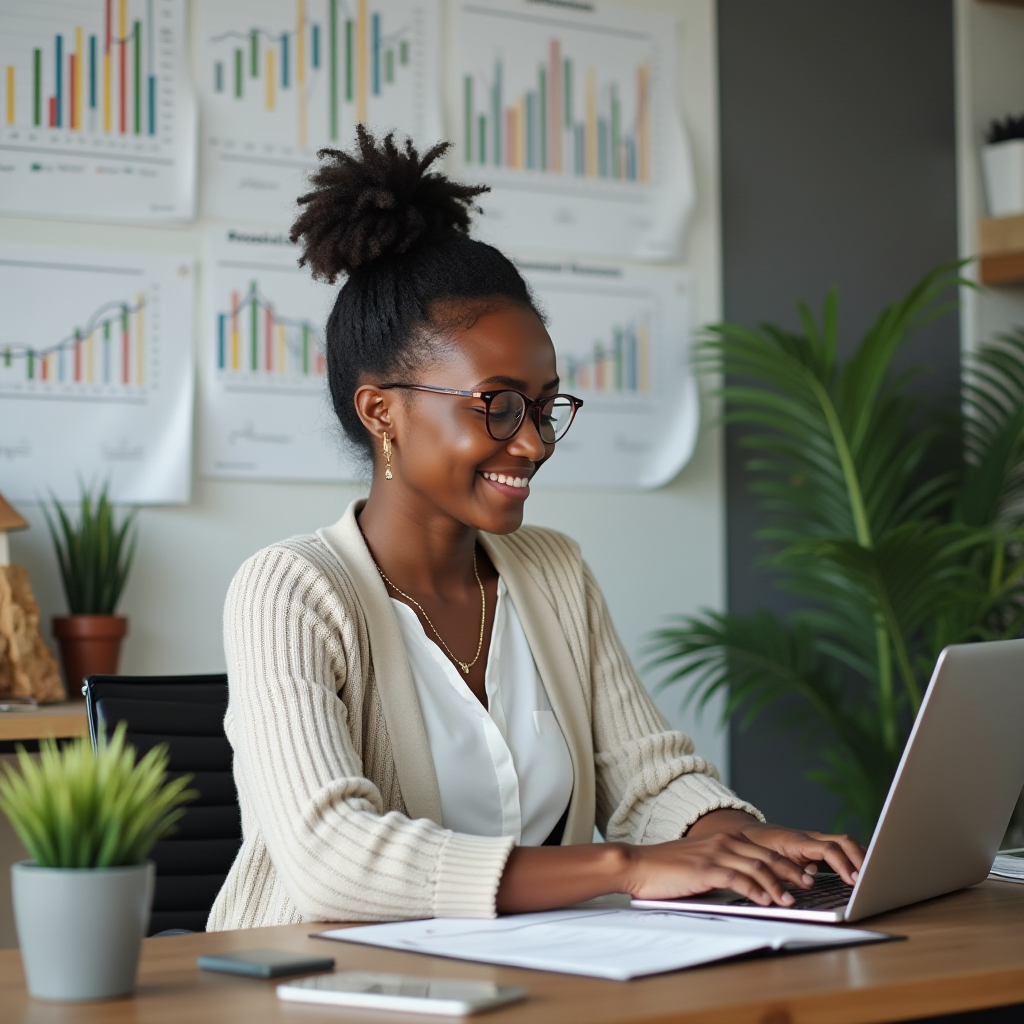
(429, 707)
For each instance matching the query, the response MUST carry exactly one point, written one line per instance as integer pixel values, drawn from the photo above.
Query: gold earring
(387, 456)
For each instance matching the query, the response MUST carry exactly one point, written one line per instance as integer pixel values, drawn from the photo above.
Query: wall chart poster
(96, 374)
(280, 79)
(265, 410)
(622, 340)
(568, 112)
(98, 114)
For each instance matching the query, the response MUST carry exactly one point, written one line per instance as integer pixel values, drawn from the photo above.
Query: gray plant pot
(80, 929)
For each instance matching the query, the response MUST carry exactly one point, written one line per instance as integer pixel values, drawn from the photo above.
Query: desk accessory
(1009, 865)
(88, 820)
(28, 671)
(95, 556)
(264, 963)
(402, 992)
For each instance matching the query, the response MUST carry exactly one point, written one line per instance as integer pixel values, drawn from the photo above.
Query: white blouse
(503, 770)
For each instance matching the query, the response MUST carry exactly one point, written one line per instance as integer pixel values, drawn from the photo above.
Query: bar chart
(106, 356)
(256, 343)
(96, 372)
(571, 122)
(618, 363)
(281, 79)
(100, 80)
(622, 338)
(265, 409)
(569, 112)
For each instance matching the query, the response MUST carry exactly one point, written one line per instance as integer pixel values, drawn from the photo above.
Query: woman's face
(443, 455)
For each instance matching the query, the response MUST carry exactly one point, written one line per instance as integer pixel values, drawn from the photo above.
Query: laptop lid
(956, 785)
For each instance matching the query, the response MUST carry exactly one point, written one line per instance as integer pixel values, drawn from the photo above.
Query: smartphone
(265, 963)
(371, 991)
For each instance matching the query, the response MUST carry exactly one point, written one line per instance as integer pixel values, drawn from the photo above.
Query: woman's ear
(374, 408)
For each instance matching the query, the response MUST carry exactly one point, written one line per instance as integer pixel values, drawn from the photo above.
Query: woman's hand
(719, 860)
(842, 853)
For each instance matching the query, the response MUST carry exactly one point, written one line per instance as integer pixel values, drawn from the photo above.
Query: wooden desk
(964, 951)
(57, 720)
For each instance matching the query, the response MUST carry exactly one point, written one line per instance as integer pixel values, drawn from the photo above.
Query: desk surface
(964, 951)
(35, 723)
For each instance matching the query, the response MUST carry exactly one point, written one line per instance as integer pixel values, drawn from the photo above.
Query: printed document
(618, 944)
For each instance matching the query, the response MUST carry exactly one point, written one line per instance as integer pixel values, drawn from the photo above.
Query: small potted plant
(95, 556)
(1002, 159)
(88, 820)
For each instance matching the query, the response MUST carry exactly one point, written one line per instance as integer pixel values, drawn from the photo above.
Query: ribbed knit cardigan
(341, 816)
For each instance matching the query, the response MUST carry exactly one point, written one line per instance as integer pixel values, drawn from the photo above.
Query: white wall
(654, 553)
(990, 84)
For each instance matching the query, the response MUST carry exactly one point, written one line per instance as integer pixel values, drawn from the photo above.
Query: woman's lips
(516, 486)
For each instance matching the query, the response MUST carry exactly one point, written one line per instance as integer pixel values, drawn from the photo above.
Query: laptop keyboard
(829, 892)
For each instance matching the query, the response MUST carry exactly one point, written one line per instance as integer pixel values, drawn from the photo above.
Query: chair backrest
(186, 713)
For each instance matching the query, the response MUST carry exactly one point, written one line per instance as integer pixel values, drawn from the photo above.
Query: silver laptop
(948, 806)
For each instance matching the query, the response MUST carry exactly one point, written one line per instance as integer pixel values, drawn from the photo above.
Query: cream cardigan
(339, 800)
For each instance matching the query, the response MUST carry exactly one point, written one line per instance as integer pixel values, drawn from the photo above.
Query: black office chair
(186, 713)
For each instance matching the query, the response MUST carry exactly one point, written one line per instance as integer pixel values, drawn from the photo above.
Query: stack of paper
(1009, 864)
(616, 944)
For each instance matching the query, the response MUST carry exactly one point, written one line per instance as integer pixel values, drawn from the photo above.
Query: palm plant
(888, 563)
(94, 556)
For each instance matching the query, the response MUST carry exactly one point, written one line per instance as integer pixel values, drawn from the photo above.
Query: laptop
(955, 789)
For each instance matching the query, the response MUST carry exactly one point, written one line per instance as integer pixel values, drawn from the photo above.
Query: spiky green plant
(74, 808)
(888, 563)
(95, 555)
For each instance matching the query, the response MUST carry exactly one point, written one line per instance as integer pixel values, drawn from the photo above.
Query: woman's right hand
(722, 860)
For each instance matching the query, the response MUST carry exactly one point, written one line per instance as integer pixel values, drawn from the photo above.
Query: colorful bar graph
(278, 345)
(356, 50)
(539, 130)
(71, 361)
(620, 365)
(80, 67)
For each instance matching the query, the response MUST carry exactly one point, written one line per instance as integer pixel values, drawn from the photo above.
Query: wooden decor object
(1001, 250)
(27, 668)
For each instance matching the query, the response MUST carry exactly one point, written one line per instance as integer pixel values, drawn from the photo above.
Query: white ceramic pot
(80, 929)
(1003, 163)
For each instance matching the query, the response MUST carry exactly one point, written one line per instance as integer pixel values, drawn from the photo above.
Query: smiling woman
(430, 709)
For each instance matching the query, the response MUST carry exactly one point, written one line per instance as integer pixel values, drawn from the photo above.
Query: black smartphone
(265, 963)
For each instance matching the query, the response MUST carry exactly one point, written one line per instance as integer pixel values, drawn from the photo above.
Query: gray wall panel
(838, 167)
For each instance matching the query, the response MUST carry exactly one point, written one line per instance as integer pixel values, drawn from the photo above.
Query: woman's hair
(400, 233)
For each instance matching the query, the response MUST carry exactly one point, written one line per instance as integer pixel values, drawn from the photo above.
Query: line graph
(253, 339)
(96, 372)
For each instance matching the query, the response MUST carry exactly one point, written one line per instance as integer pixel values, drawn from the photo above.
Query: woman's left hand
(842, 853)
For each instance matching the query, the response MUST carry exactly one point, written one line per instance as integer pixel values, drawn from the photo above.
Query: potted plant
(1002, 160)
(888, 562)
(88, 820)
(95, 557)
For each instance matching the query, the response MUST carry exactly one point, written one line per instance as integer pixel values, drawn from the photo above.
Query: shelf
(1001, 250)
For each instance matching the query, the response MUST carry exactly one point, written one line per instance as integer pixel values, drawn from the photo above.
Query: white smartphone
(372, 991)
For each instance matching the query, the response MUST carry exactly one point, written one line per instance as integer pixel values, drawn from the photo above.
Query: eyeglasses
(506, 410)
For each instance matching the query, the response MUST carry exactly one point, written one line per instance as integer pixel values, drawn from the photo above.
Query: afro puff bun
(377, 203)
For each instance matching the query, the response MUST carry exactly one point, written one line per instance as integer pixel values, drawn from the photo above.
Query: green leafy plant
(888, 563)
(96, 555)
(74, 808)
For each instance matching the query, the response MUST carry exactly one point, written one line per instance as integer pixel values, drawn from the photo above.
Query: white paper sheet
(614, 944)
(100, 111)
(568, 110)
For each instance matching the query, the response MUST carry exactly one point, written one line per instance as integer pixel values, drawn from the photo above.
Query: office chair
(186, 713)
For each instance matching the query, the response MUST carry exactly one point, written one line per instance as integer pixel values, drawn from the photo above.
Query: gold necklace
(464, 665)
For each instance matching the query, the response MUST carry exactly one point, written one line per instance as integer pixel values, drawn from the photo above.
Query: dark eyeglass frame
(532, 406)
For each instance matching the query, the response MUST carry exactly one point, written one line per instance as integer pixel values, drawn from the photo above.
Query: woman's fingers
(757, 872)
(780, 865)
(841, 853)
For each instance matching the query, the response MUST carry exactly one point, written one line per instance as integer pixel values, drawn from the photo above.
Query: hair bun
(376, 203)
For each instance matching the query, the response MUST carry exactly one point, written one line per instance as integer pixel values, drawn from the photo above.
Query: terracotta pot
(89, 645)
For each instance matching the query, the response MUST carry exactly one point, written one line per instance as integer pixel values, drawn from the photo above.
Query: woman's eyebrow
(514, 382)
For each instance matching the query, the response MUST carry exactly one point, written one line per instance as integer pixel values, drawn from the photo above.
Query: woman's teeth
(511, 481)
